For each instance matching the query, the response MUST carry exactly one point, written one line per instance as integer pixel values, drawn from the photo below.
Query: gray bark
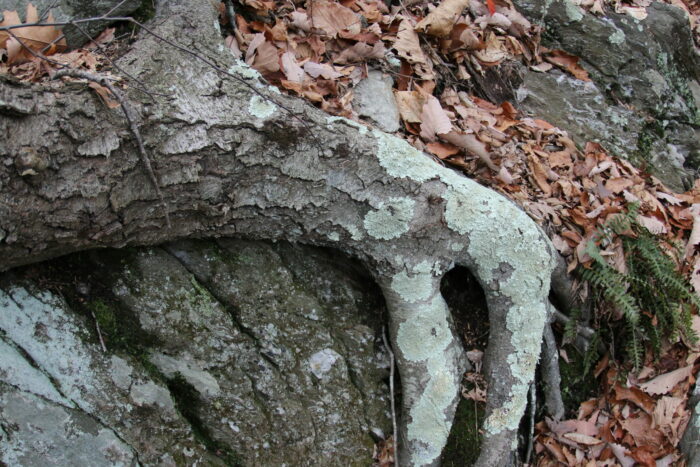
(236, 159)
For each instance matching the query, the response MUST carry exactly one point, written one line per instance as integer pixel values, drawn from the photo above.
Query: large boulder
(643, 100)
(215, 352)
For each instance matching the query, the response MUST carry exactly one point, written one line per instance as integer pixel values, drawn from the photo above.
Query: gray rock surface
(69, 10)
(230, 352)
(643, 101)
(374, 99)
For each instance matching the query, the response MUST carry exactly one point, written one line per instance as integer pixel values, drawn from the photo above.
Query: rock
(690, 443)
(64, 402)
(643, 101)
(69, 10)
(266, 353)
(374, 99)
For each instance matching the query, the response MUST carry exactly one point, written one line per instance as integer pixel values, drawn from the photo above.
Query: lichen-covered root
(430, 361)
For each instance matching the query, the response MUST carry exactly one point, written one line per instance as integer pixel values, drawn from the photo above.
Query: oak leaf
(36, 38)
(441, 20)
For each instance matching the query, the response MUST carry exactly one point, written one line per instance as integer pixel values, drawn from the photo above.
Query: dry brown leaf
(652, 224)
(323, 70)
(266, 58)
(334, 19)
(567, 62)
(442, 150)
(662, 384)
(434, 120)
(410, 104)
(361, 52)
(634, 395)
(291, 68)
(232, 45)
(539, 174)
(619, 184)
(582, 439)
(665, 413)
(36, 38)
(694, 238)
(105, 95)
(472, 145)
(639, 427)
(407, 45)
(441, 20)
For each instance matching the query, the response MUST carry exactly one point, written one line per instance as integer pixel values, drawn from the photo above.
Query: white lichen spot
(456, 246)
(261, 108)
(241, 69)
(402, 160)
(322, 361)
(391, 219)
(573, 12)
(413, 288)
(334, 236)
(617, 38)
(362, 129)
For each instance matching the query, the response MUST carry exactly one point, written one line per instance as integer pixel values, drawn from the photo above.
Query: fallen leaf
(407, 45)
(582, 439)
(567, 62)
(291, 68)
(410, 104)
(361, 52)
(105, 95)
(442, 150)
(334, 19)
(434, 120)
(662, 384)
(323, 70)
(35, 38)
(441, 20)
(652, 224)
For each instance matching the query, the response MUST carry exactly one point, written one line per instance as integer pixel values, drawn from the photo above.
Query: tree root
(234, 164)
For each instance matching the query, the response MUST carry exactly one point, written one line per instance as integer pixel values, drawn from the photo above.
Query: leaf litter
(321, 49)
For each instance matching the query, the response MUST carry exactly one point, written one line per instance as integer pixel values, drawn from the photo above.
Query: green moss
(146, 11)
(188, 404)
(651, 132)
(680, 85)
(464, 442)
(577, 385)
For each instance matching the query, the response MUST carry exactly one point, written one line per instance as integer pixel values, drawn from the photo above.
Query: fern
(654, 298)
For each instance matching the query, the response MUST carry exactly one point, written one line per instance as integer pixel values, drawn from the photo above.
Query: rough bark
(233, 163)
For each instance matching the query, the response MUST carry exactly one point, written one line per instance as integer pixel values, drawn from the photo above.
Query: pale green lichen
(391, 219)
(573, 12)
(414, 288)
(617, 38)
(426, 336)
(360, 127)
(261, 108)
(500, 233)
(401, 160)
(456, 246)
(334, 236)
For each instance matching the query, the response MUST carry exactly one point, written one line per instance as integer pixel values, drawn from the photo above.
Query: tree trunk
(235, 158)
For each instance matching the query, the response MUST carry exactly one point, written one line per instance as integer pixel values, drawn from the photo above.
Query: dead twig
(393, 402)
(131, 120)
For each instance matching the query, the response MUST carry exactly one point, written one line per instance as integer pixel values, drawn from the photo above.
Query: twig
(99, 333)
(393, 402)
(533, 408)
(183, 49)
(131, 120)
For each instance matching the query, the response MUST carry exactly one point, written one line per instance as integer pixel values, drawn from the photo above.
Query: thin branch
(131, 120)
(187, 51)
(393, 402)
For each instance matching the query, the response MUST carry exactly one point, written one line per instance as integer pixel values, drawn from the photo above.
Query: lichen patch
(261, 108)
(391, 219)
